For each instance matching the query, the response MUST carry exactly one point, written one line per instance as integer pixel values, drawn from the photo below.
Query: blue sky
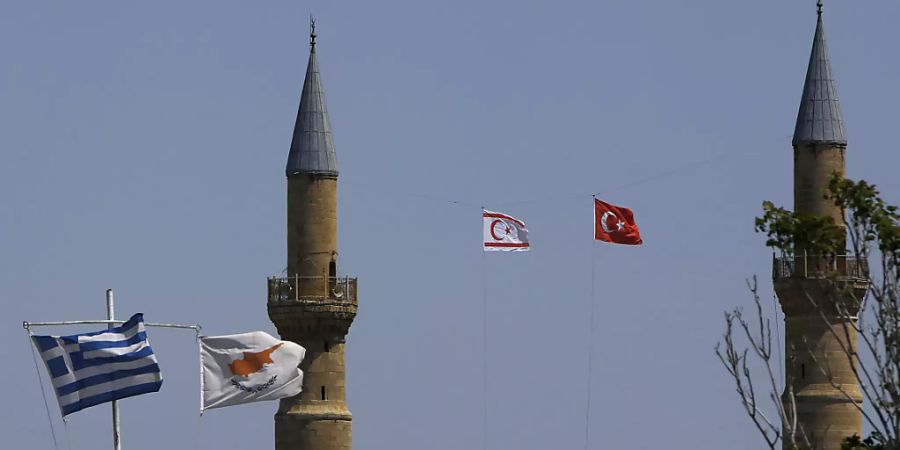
(144, 148)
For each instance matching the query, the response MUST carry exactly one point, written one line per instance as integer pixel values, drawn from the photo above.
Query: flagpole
(200, 357)
(111, 315)
(484, 343)
(110, 323)
(590, 356)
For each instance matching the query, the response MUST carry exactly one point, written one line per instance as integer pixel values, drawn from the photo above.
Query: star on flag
(503, 233)
(615, 224)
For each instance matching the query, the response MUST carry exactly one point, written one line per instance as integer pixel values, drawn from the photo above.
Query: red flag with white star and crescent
(615, 224)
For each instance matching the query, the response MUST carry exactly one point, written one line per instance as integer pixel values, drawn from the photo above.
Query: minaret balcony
(808, 285)
(819, 267)
(312, 289)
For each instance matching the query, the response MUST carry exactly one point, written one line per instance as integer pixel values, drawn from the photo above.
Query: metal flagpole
(111, 322)
(200, 357)
(27, 325)
(111, 315)
(590, 358)
(484, 343)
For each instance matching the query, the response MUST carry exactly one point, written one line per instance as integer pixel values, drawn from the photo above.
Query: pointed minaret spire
(312, 148)
(819, 120)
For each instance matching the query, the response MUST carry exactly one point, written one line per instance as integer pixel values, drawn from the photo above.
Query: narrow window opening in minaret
(332, 269)
(325, 346)
(802, 371)
(323, 392)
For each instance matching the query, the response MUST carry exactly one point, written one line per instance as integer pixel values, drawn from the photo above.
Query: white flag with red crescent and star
(504, 233)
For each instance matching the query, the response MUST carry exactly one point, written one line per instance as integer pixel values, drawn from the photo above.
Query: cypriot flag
(503, 233)
(249, 367)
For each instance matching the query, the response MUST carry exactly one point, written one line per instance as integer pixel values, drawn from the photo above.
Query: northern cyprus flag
(503, 233)
(249, 367)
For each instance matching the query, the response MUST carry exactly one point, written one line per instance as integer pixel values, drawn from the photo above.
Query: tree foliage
(795, 233)
(855, 443)
(873, 229)
(871, 220)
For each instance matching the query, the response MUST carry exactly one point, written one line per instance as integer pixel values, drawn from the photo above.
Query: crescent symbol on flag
(603, 221)
(494, 232)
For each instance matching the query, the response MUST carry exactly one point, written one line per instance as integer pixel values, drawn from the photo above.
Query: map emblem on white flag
(249, 367)
(503, 233)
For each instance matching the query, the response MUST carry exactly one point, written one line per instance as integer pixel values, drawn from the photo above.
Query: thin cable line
(675, 171)
(66, 429)
(431, 198)
(725, 155)
(556, 198)
(199, 433)
(778, 339)
(43, 392)
(587, 409)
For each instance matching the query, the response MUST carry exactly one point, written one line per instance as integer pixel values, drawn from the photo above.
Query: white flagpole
(200, 358)
(111, 322)
(111, 315)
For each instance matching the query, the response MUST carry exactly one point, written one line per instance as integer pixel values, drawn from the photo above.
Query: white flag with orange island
(248, 367)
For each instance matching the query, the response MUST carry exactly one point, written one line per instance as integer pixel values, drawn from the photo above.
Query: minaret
(312, 305)
(815, 361)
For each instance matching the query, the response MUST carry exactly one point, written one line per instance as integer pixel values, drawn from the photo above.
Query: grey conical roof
(312, 148)
(819, 120)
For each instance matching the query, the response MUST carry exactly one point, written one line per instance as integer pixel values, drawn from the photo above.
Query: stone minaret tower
(312, 306)
(813, 347)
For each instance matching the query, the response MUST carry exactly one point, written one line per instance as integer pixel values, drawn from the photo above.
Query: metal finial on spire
(819, 119)
(312, 147)
(819, 7)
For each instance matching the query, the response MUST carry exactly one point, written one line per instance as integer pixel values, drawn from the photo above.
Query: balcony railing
(325, 289)
(818, 266)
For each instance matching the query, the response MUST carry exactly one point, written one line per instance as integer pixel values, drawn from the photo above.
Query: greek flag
(92, 368)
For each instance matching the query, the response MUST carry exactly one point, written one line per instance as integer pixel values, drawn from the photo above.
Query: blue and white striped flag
(92, 368)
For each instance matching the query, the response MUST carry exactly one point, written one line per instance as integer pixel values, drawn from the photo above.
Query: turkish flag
(615, 224)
